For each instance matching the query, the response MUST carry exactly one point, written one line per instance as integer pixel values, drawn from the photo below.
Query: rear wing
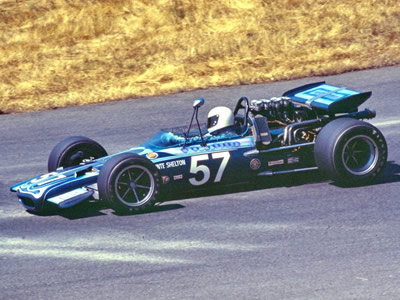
(327, 99)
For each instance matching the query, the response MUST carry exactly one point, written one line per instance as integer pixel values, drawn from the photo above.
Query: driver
(221, 123)
(220, 120)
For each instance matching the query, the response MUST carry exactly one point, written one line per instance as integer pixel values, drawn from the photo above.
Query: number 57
(195, 168)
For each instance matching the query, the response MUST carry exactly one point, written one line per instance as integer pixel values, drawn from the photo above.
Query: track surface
(295, 237)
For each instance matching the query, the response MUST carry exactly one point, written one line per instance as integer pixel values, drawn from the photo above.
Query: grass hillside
(55, 53)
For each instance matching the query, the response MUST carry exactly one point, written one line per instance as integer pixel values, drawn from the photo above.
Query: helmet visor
(212, 121)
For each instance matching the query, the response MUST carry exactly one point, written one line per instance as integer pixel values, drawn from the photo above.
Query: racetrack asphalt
(288, 237)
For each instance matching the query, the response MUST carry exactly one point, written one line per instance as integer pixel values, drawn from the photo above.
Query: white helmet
(218, 118)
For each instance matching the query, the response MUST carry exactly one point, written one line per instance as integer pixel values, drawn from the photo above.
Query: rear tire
(72, 151)
(350, 152)
(129, 183)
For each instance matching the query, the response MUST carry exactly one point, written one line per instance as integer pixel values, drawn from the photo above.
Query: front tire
(72, 151)
(350, 152)
(129, 183)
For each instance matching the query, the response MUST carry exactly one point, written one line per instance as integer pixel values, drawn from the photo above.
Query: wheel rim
(134, 185)
(360, 155)
(76, 158)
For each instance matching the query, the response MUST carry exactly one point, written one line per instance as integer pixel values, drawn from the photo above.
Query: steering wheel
(243, 103)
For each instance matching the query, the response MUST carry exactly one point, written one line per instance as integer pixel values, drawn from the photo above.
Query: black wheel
(72, 151)
(129, 183)
(350, 152)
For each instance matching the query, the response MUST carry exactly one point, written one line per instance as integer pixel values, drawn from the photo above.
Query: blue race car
(316, 126)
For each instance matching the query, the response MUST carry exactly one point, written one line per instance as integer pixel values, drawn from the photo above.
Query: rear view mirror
(198, 102)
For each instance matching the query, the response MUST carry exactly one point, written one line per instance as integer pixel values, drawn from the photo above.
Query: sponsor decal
(325, 94)
(255, 164)
(212, 147)
(293, 160)
(176, 163)
(160, 166)
(276, 162)
(165, 179)
(178, 177)
(171, 164)
(152, 155)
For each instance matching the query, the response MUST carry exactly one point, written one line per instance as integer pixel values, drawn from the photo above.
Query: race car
(315, 126)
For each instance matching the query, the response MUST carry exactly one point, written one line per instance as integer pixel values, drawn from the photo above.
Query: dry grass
(55, 53)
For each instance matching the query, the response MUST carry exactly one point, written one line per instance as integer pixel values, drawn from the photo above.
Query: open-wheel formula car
(315, 126)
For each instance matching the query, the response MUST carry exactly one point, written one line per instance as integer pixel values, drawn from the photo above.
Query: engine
(297, 122)
(281, 109)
